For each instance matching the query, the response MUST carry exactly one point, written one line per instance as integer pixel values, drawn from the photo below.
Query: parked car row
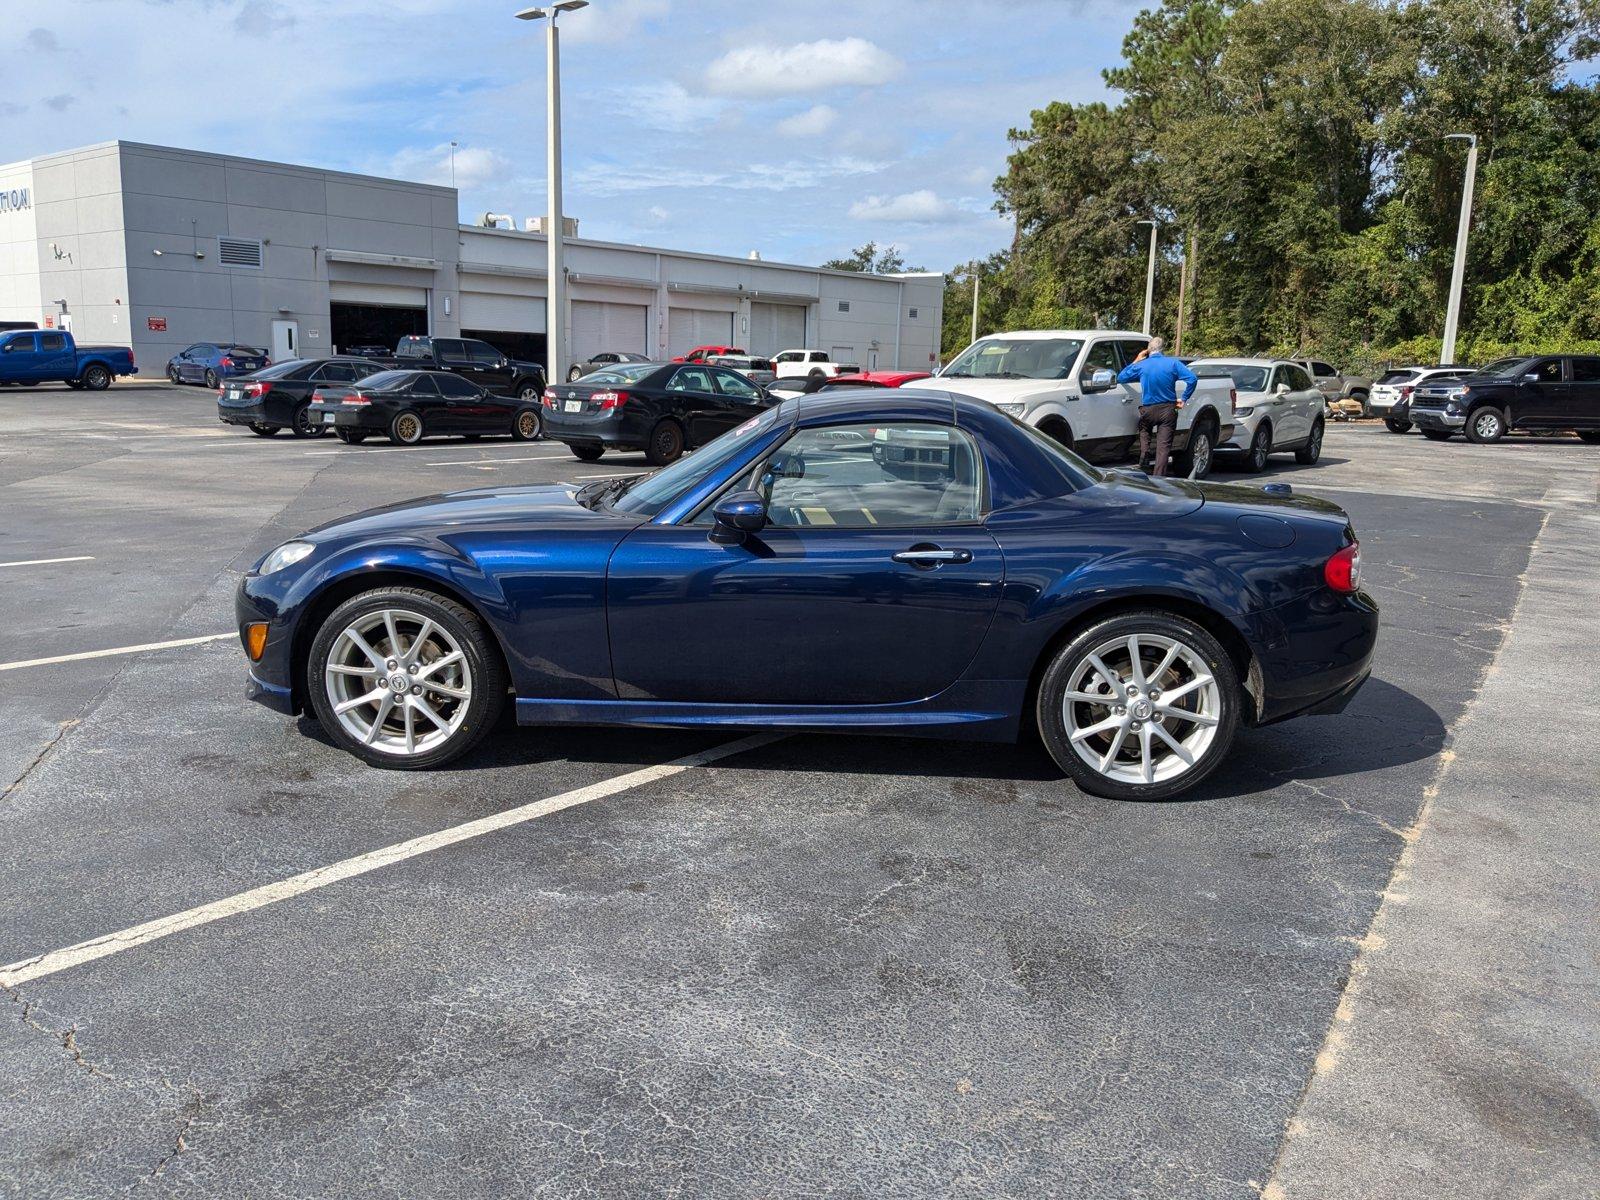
(209, 363)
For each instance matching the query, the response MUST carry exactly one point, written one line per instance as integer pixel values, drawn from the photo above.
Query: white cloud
(668, 106)
(475, 166)
(658, 214)
(801, 69)
(259, 18)
(610, 179)
(814, 122)
(921, 207)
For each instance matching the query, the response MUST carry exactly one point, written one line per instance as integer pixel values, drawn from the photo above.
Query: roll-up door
(691, 327)
(599, 326)
(776, 327)
(491, 310)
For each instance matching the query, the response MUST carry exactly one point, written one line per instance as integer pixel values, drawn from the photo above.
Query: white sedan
(1277, 408)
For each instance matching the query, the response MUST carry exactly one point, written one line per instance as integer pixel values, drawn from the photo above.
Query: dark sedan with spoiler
(660, 408)
(408, 406)
(279, 397)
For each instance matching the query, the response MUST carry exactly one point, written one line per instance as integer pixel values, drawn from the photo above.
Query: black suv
(1529, 392)
(474, 360)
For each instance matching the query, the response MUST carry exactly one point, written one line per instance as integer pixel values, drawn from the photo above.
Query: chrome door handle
(932, 557)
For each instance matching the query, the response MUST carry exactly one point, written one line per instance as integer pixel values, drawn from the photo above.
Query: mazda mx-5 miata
(882, 561)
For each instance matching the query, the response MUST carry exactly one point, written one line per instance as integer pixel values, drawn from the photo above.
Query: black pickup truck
(478, 361)
(1541, 392)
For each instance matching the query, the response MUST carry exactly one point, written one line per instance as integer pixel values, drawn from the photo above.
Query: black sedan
(660, 408)
(411, 405)
(279, 397)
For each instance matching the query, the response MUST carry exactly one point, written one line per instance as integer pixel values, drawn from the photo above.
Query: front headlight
(1012, 408)
(285, 555)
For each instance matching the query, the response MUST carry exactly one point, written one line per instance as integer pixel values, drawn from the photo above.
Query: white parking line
(353, 450)
(39, 562)
(491, 462)
(113, 651)
(320, 877)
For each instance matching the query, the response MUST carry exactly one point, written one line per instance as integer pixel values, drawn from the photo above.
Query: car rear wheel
(96, 378)
(529, 394)
(1486, 426)
(405, 678)
(351, 437)
(588, 453)
(1308, 454)
(574, 375)
(1260, 446)
(302, 427)
(525, 425)
(211, 378)
(405, 429)
(665, 444)
(1196, 458)
(1394, 426)
(261, 430)
(1141, 706)
(1437, 435)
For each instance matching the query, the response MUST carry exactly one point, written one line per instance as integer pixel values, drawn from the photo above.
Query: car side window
(423, 385)
(335, 373)
(449, 350)
(1131, 349)
(483, 354)
(52, 341)
(871, 476)
(690, 379)
(1322, 369)
(1300, 381)
(1586, 370)
(1547, 371)
(787, 356)
(736, 385)
(455, 387)
(20, 345)
(604, 357)
(1102, 356)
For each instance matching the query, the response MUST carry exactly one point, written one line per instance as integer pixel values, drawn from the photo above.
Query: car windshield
(628, 373)
(386, 379)
(646, 495)
(1246, 378)
(1015, 358)
(1504, 368)
(1398, 376)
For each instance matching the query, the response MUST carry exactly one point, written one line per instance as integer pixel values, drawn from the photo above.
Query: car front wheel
(525, 425)
(172, 374)
(1141, 706)
(405, 678)
(1394, 426)
(1486, 426)
(574, 375)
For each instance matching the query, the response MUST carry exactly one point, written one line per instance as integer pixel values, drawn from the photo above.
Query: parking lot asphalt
(821, 966)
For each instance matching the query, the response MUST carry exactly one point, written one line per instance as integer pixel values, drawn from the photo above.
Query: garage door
(775, 327)
(691, 327)
(598, 326)
(489, 310)
(386, 295)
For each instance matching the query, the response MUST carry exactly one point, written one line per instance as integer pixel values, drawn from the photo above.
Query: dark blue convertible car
(894, 562)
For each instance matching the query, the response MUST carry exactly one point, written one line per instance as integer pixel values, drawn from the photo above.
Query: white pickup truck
(1064, 383)
(812, 363)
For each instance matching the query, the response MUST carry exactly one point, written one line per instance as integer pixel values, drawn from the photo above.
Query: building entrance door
(285, 340)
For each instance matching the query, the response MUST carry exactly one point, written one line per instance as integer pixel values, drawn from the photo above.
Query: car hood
(993, 390)
(541, 507)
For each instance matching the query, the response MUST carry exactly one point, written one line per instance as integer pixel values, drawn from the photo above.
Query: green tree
(871, 258)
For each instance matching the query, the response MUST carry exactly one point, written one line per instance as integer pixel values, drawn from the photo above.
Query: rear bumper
(244, 414)
(363, 419)
(610, 429)
(1324, 662)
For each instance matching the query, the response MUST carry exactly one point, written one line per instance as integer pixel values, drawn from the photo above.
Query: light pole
(555, 319)
(1150, 276)
(1452, 315)
(453, 164)
(975, 282)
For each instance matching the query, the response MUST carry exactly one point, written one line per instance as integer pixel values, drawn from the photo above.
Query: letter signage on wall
(15, 199)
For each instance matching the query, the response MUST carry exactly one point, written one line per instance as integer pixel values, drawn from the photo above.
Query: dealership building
(157, 249)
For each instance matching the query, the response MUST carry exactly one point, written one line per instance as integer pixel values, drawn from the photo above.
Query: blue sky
(800, 130)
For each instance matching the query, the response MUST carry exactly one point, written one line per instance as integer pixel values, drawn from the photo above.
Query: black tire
(1308, 454)
(211, 379)
(264, 430)
(1058, 429)
(588, 453)
(1255, 459)
(301, 426)
(406, 429)
(665, 444)
(95, 377)
(1438, 435)
(172, 375)
(575, 374)
(483, 670)
(817, 374)
(351, 437)
(1199, 456)
(1590, 436)
(1394, 426)
(1485, 426)
(1071, 662)
(526, 425)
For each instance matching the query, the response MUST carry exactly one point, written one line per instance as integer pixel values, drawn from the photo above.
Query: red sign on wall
(49, 321)
(156, 324)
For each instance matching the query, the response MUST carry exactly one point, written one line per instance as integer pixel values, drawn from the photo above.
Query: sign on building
(156, 324)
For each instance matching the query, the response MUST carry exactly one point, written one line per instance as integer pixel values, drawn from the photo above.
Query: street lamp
(555, 318)
(1150, 276)
(975, 284)
(1452, 315)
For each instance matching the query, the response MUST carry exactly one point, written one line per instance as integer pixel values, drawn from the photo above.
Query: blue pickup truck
(33, 356)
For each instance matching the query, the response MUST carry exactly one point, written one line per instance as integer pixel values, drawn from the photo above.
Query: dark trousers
(1163, 419)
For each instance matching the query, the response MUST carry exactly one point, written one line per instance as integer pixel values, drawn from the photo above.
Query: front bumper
(1436, 418)
(1244, 432)
(272, 678)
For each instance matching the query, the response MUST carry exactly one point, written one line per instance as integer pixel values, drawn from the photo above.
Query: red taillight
(611, 399)
(226, 361)
(1233, 397)
(356, 398)
(548, 401)
(257, 390)
(1343, 570)
(316, 397)
(1405, 391)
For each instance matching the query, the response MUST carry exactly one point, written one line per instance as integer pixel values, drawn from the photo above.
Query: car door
(1542, 395)
(1300, 407)
(1103, 423)
(188, 368)
(425, 400)
(490, 369)
(475, 409)
(873, 583)
(738, 398)
(1325, 379)
(22, 358)
(693, 400)
(1583, 403)
(450, 354)
(56, 360)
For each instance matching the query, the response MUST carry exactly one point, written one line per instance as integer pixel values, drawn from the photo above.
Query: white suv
(1064, 383)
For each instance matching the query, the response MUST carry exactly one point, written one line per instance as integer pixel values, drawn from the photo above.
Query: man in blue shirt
(1157, 377)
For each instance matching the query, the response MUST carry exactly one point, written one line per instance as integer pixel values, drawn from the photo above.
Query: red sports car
(888, 379)
(701, 353)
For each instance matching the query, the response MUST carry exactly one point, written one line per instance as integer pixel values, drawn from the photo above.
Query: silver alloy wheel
(1486, 425)
(1200, 453)
(1142, 708)
(398, 681)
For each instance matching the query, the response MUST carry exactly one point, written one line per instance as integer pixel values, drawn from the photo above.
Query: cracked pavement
(842, 966)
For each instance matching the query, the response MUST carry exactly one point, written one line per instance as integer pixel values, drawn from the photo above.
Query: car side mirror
(1282, 389)
(737, 515)
(1100, 380)
(1531, 377)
